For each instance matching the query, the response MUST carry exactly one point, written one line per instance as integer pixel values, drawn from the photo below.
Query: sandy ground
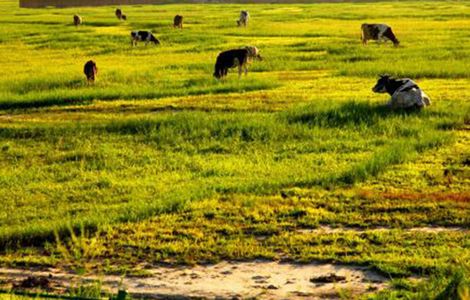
(226, 280)
(428, 229)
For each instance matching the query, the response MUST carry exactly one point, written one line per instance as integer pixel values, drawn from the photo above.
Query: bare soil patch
(225, 280)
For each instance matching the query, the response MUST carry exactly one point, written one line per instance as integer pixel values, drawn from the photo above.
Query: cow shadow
(350, 114)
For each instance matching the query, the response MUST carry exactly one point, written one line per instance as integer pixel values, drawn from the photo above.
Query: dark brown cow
(235, 58)
(77, 20)
(90, 69)
(178, 22)
(118, 13)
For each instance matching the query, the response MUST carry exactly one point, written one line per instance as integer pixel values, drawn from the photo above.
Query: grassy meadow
(159, 162)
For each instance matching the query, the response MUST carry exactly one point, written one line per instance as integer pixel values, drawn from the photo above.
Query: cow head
(253, 52)
(218, 73)
(380, 86)
(154, 40)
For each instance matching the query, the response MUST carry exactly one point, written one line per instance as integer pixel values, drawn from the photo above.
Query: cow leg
(246, 70)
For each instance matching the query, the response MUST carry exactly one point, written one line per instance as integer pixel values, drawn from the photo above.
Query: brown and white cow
(377, 32)
(235, 58)
(178, 21)
(77, 20)
(90, 69)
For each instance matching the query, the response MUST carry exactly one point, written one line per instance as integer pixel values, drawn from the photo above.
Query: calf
(405, 92)
(90, 69)
(243, 20)
(77, 20)
(235, 58)
(143, 36)
(178, 22)
(378, 32)
(118, 13)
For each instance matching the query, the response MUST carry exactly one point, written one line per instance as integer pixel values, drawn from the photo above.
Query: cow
(118, 13)
(377, 32)
(77, 20)
(235, 58)
(404, 92)
(90, 69)
(178, 22)
(243, 20)
(143, 36)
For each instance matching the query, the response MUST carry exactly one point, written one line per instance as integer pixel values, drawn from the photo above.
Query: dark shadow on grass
(47, 102)
(194, 90)
(350, 114)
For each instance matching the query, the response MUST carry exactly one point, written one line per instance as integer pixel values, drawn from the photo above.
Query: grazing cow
(378, 32)
(235, 58)
(90, 69)
(143, 36)
(178, 22)
(243, 20)
(77, 20)
(404, 91)
(118, 13)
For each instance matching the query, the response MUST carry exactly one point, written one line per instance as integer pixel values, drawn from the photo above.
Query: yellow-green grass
(157, 144)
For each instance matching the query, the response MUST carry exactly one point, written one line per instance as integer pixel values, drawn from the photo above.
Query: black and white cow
(143, 36)
(404, 91)
(378, 32)
(77, 20)
(243, 20)
(235, 58)
(90, 69)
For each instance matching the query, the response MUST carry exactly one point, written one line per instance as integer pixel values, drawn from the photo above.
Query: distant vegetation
(156, 135)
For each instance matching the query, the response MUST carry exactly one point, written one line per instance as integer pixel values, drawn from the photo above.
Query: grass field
(160, 162)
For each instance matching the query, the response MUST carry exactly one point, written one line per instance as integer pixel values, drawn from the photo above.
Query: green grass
(161, 158)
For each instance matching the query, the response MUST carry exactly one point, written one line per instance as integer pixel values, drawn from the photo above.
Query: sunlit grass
(157, 142)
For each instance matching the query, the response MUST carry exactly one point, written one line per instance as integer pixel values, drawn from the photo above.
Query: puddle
(227, 280)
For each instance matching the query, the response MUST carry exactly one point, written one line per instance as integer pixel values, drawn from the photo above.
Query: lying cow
(143, 36)
(90, 69)
(178, 22)
(77, 20)
(235, 58)
(243, 20)
(378, 32)
(405, 92)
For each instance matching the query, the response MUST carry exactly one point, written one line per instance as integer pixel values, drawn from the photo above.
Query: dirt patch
(231, 280)
(427, 229)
